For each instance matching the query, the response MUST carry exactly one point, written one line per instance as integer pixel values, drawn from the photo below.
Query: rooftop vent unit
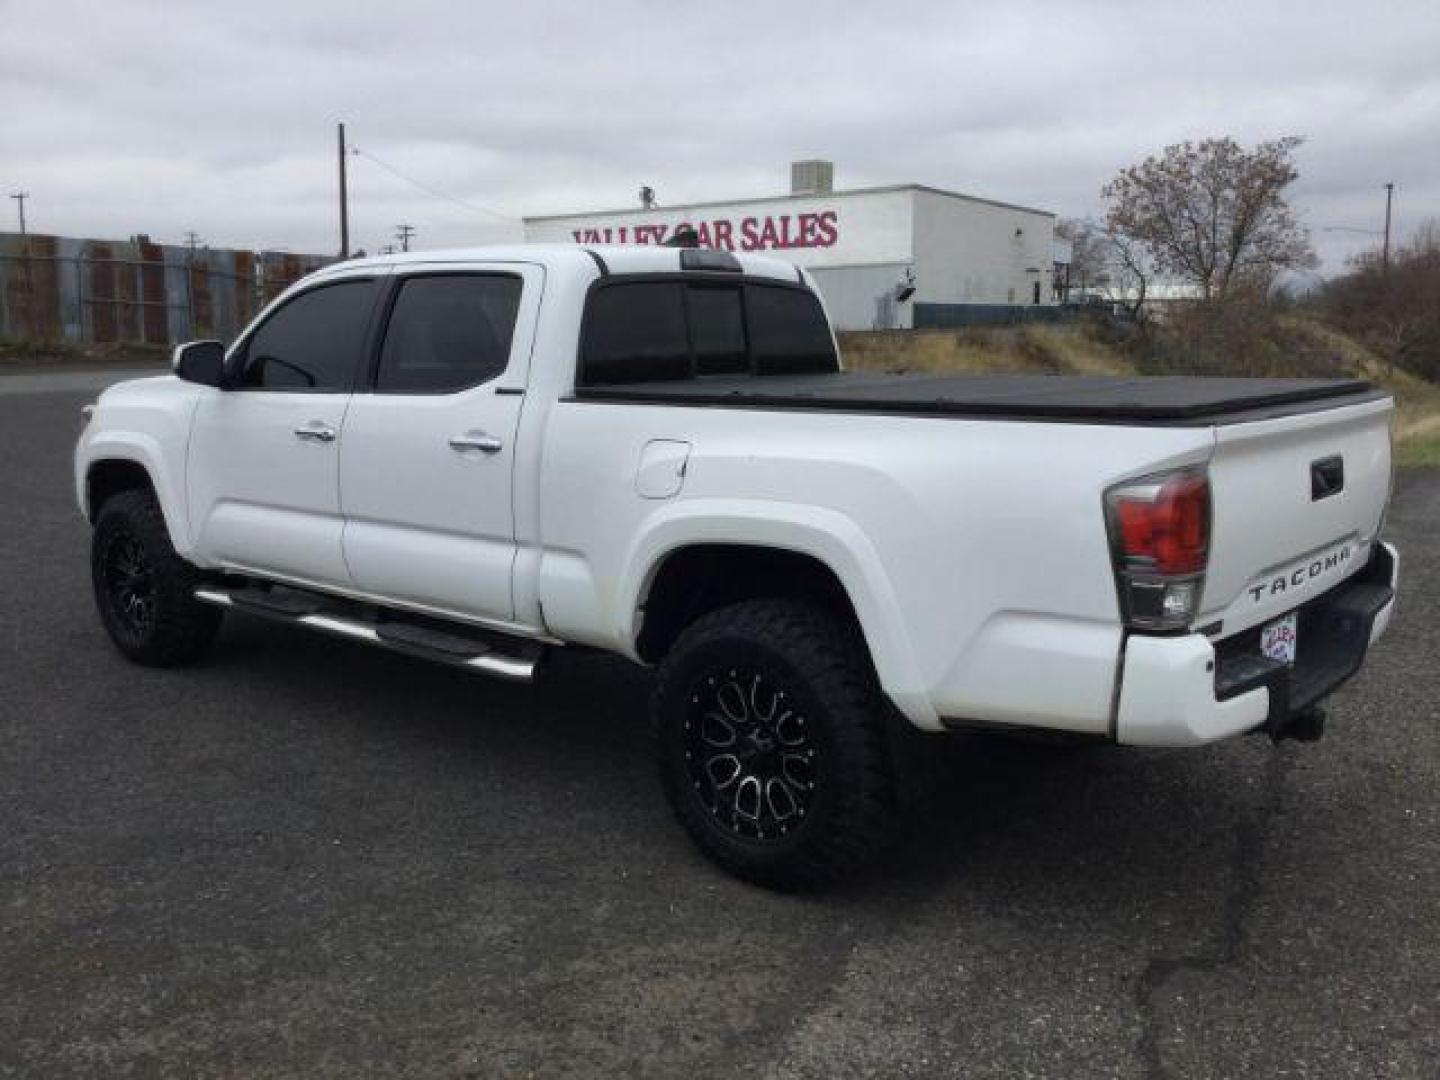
(812, 177)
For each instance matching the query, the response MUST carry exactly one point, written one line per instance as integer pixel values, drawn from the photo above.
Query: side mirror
(201, 362)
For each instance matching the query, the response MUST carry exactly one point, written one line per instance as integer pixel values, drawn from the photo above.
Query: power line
(403, 233)
(430, 190)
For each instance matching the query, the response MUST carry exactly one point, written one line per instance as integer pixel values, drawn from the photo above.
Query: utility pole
(193, 240)
(1385, 251)
(403, 233)
(20, 197)
(344, 196)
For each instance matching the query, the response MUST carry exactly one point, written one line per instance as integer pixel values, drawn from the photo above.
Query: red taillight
(1165, 526)
(1160, 541)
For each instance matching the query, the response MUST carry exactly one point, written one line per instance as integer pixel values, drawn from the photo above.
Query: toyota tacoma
(483, 457)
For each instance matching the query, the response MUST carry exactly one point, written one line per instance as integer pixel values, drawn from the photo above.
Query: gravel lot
(305, 858)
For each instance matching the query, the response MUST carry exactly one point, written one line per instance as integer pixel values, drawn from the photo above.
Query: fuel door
(662, 468)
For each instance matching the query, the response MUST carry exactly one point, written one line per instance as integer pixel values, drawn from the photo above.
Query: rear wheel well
(106, 479)
(695, 581)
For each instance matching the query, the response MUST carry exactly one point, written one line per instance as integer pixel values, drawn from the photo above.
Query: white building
(886, 257)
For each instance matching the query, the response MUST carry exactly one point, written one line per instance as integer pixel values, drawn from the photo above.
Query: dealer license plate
(1277, 639)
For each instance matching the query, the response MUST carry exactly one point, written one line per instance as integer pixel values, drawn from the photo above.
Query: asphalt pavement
(304, 858)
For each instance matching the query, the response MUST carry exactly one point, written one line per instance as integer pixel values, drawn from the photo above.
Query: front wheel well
(694, 581)
(109, 478)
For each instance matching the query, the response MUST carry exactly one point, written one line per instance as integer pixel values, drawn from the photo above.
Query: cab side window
(314, 343)
(448, 332)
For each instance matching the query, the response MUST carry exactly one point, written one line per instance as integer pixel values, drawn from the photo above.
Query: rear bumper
(1186, 691)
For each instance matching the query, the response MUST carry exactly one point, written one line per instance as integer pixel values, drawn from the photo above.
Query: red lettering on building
(773, 232)
(829, 228)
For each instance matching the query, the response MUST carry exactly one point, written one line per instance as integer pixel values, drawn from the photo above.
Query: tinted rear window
(717, 330)
(636, 333)
(788, 332)
(643, 331)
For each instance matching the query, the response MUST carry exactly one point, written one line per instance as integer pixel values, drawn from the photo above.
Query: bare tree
(1394, 309)
(1089, 256)
(1212, 213)
(1131, 270)
(1426, 241)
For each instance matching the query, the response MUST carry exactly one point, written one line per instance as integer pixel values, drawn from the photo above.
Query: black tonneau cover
(1168, 399)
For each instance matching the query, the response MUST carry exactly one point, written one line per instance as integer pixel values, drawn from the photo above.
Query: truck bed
(1162, 400)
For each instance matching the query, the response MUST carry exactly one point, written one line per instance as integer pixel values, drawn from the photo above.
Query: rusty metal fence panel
(61, 290)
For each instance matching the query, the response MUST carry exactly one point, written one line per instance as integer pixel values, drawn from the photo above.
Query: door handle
(476, 440)
(316, 431)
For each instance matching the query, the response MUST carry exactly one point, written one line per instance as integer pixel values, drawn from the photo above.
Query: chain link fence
(59, 290)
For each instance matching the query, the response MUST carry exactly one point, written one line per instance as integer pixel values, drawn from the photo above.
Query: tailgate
(1297, 503)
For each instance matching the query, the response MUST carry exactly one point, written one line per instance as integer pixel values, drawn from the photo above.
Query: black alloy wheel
(750, 753)
(128, 582)
(145, 591)
(771, 743)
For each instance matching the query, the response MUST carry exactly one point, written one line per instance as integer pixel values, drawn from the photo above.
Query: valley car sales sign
(771, 232)
(821, 231)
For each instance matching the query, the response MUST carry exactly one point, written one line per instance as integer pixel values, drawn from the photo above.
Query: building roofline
(883, 190)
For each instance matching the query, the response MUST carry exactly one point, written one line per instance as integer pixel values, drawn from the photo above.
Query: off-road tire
(175, 628)
(815, 662)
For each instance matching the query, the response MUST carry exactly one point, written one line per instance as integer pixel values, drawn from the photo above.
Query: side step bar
(515, 661)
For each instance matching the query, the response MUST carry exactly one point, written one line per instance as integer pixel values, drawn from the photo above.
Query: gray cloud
(159, 117)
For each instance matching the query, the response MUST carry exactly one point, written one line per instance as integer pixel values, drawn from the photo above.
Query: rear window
(788, 332)
(717, 330)
(636, 333)
(643, 331)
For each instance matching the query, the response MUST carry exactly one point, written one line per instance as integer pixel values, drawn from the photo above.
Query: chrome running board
(513, 660)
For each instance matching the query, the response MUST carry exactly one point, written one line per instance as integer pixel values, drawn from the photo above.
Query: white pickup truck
(483, 456)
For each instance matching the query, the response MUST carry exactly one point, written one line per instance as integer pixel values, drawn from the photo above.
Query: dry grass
(1417, 401)
(947, 351)
(1072, 350)
(1053, 350)
(1076, 351)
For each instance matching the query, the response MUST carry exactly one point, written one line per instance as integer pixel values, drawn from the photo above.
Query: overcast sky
(126, 117)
